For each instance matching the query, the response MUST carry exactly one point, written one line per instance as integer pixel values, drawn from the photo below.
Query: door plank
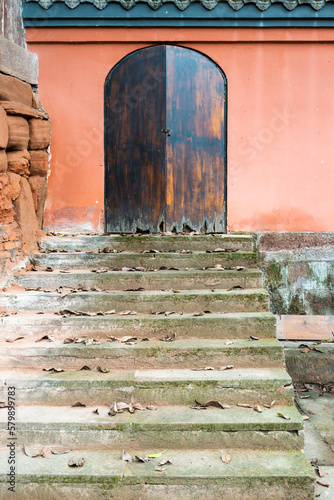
(135, 97)
(195, 163)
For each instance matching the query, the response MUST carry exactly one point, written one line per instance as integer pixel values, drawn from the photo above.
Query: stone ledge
(18, 62)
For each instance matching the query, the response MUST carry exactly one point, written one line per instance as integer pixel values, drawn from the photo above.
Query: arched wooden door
(165, 142)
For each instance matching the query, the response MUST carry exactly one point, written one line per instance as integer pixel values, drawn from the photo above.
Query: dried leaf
(53, 370)
(206, 368)
(320, 472)
(142, 459)
(138, 406)
(33, 451)
(85, 367)
(244, 405)
(60, 451)
(168, 313)
(226, 458)
(65, 291)
(165, 462)
(258, 408)
(169, 338)
(227, 367)
(305, 417)
(283, 416)
(253, 338)
(326, 485)
(126, 456)
(127, 338)
(76, 462)
(127, 313)
(199, 314)
(78, 404)
(213, 403)
(151, 407)
(160, 469)
(96, 411)
(103, 370)
(49, 338)
(13, 340)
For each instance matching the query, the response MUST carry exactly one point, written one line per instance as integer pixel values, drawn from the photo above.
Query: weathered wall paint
(280, 121)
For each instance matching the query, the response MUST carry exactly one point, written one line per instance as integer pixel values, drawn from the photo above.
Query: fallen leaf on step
(206, 368)
(64, 271)
(59, 451)
(76, 462)
(227, 367)
(127, 338)
(68, 340)
(13, 340)
(165, 462)
(199, 314)
(49, 338)
(103, 370)
(78, 404)
(138, 406)
(127, 313)
(253, 338)
(160, 469)
(283, 416)
(320, 472)
(84, 367)
(226, 458)
(151, 407)
(126, 456)
(229, 343)
(271, 404)
(305, 417)
(142, 459)
(100, 270)
(53, 370)
(240, 268)
(304, 397)
(96, 411)
(258, 408)
(48, 269)
(168, 313)
(326, 485)
(169, 338)
(211, 402)
(186, 251)
(33, 451)
(245, 405)
(140, 289)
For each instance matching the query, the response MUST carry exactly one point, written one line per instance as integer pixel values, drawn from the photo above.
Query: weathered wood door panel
(195, 148)
(134, 144)
(165, 142)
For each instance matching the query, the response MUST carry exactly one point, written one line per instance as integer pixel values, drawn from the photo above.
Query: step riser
(107, 438)
(217, 488)
(180, 393)
(150, 358)
(140, 243)
(216, 302)
(209, 326)
(155, 261)
(200, 280)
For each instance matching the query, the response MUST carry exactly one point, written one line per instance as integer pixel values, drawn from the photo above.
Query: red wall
(280, 120)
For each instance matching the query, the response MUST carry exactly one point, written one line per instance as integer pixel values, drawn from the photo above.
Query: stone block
(18, 162)
(40, 131)
(39, 163)
(3, 160)
(14, 181)
(6, 206)
(25, 216)
(19, 109)
(12, 89)
(18, 133)
(38, 187)
(3, 129)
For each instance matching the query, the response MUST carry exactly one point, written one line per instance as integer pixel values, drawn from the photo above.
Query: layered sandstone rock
(3, 160)
(14, 181)
(18, 133)
(18, 162)
(12, 89)
(3, 129)
(39, 163)
(39, 131)
(38, 187)
(25, 216)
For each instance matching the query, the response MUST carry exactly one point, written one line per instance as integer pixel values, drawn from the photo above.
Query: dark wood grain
(135, 97)
(195, 148)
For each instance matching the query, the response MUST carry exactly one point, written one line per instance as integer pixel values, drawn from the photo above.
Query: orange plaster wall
(280, 121)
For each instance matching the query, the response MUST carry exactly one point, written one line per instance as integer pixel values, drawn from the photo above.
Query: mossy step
(187, 353)
(134, 243)
(194, 301)
(256, 386)
(166, 427)
(221, 326)
(192, 475)
(196, 260)
(160, 280)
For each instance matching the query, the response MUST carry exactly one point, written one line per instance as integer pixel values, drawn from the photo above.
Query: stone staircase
(186, 304)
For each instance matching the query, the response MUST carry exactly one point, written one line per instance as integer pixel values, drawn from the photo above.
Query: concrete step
(256, 386)
(192, 354)
(215, 326)
(115, 261)
(148, 302)
(134, 243)
(250, 475)
(167, 427)
(160, 280)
